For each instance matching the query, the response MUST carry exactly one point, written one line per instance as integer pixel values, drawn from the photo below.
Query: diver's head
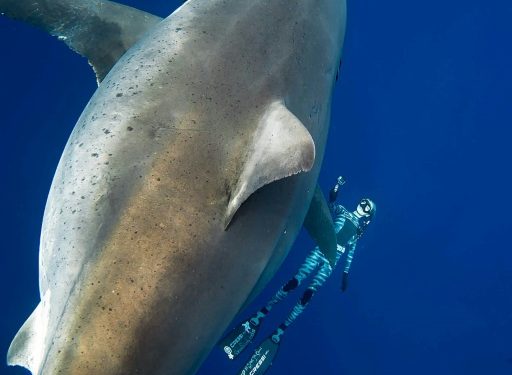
(366, 209)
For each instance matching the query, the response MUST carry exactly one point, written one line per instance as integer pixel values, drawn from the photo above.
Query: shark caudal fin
(28, 347)
(100, 30)
(282, 147)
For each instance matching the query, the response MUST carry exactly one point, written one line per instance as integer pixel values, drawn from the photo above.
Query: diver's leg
(310, 263)
(263, 356)
(241, 336)
(321, 276)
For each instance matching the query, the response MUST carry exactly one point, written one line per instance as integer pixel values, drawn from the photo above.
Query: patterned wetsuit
(315, 261)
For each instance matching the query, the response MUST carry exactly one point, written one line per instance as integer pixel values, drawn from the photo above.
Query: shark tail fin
(281, 147)
(100, 30)
(27, 349)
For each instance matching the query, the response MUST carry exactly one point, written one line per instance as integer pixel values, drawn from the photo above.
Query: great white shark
(185, 180)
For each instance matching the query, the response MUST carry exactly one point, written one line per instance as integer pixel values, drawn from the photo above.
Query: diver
(349, 227)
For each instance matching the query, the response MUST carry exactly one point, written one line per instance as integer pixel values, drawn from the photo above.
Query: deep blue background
(421, 124)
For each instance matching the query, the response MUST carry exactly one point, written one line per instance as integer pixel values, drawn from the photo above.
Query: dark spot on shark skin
(119, 94)
(129, 128)
(94, 155)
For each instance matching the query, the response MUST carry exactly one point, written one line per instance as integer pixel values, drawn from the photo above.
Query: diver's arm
(333, 194)
(348, 262)
(344, 282)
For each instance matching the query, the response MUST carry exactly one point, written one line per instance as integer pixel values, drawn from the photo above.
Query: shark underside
(185, 180)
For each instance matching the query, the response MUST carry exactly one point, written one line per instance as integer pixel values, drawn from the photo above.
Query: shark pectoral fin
(281, 147)
(99, 30)
(319, 224)
(27, 349)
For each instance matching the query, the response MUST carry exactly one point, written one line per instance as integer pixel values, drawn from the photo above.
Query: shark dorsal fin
(27, 348)
(281, 147)
(100, 30)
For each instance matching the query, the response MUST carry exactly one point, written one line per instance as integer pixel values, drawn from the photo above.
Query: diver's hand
(333, 194)
(344, 282)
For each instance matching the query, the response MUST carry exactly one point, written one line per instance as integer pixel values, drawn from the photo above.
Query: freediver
(349, 227)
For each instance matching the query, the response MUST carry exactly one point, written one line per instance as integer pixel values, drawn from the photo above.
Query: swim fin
(262, 358)
(238, 339)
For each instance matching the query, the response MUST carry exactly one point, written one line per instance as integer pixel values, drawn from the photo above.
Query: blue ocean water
(421, 124)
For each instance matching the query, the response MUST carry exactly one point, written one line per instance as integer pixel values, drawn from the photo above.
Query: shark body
(182, 186)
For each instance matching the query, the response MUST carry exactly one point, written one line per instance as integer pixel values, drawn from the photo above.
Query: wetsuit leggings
(314, 261)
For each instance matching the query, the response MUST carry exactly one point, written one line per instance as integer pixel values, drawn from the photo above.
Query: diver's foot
(238, 339)
(276, 336)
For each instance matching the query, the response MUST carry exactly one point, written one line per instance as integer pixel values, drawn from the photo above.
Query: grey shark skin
(157, 229)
